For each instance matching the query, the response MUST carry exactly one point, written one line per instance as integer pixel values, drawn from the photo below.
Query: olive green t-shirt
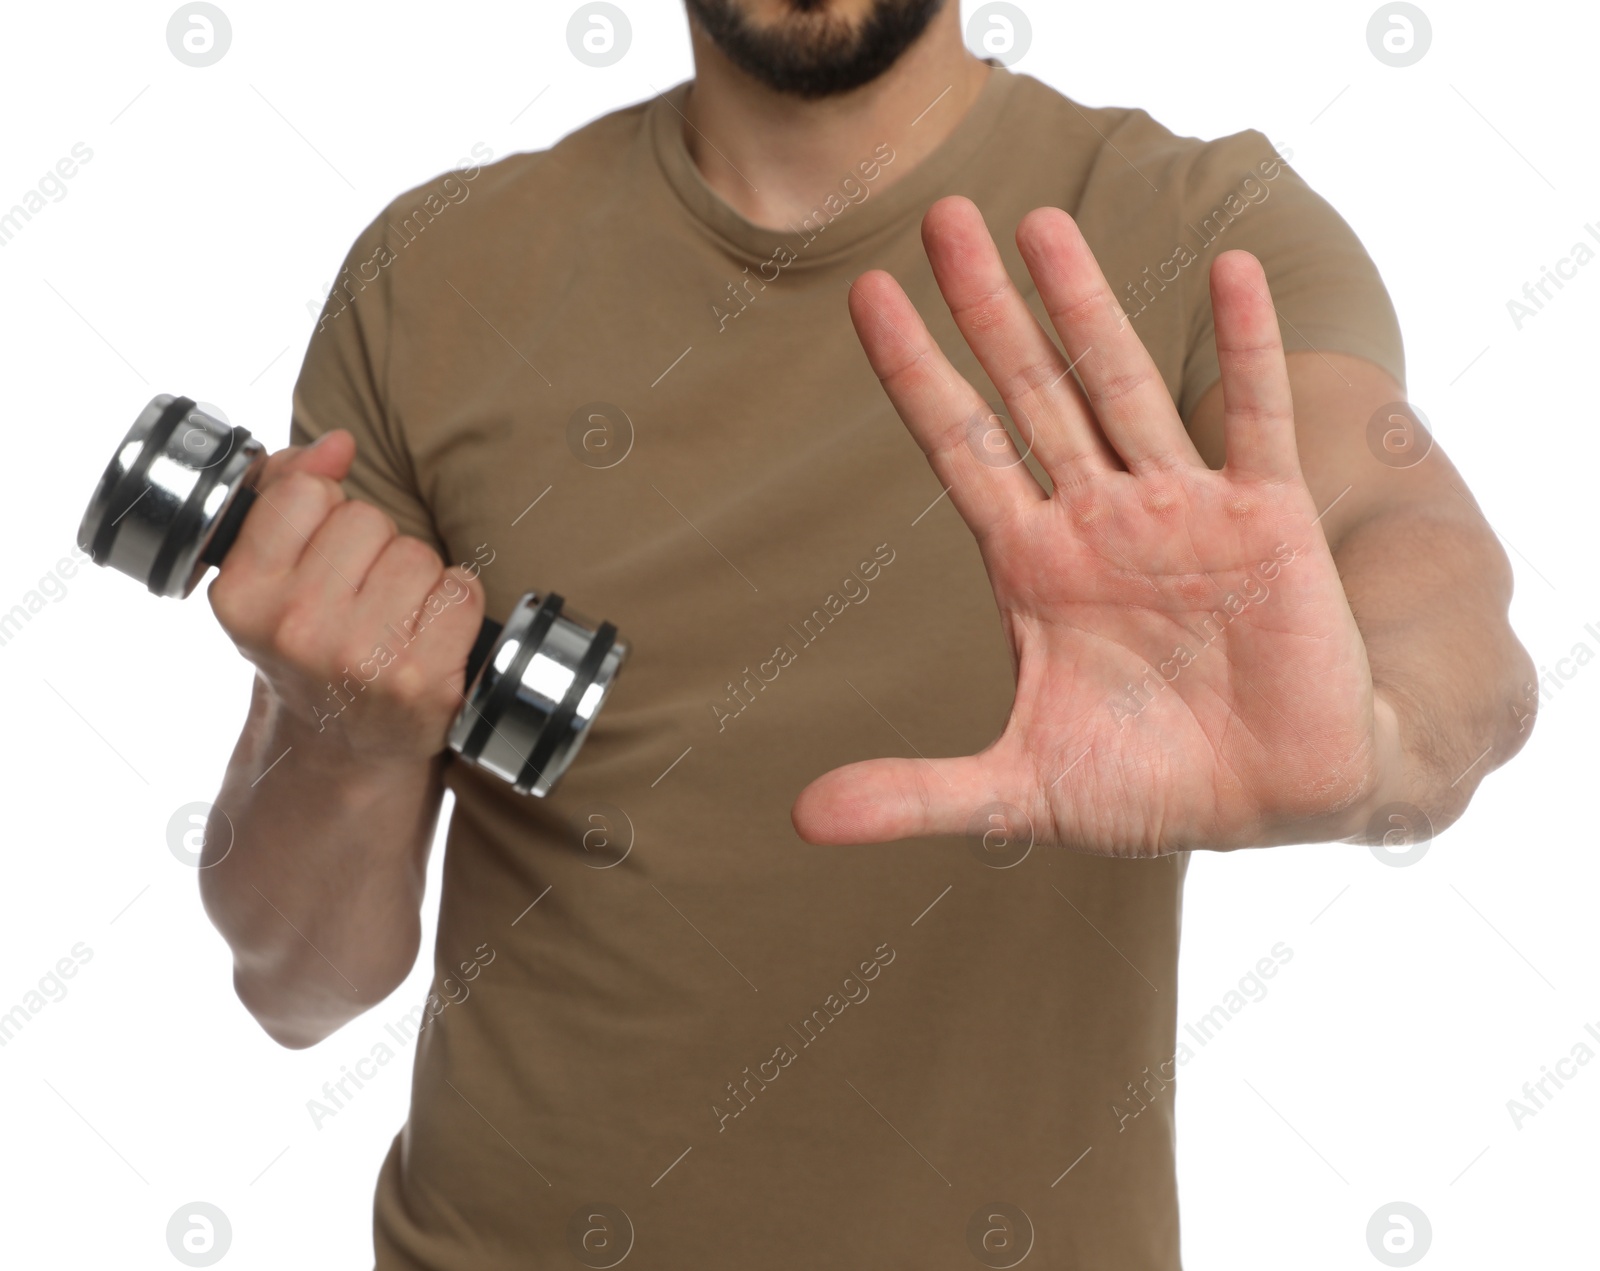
(689, 1038)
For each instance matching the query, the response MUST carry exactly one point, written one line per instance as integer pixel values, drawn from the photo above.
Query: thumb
(330, 455)
(880, 800)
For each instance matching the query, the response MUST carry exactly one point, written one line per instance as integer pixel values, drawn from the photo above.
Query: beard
(812, 53)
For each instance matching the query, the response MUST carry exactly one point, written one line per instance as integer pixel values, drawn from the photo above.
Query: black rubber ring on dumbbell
(556, 726)
(506, 686)
(488, 633)
(228, 526)
(155, 442)
(186, 523)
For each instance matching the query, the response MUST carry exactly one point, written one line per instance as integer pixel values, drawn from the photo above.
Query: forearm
(319, 894)
(1430, 587)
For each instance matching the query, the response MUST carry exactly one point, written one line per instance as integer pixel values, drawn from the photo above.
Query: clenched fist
(357, 630)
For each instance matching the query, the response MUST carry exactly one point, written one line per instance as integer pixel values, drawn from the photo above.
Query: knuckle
(1033, 378)
(239, 600)
(360, 518)
(299, 502)
(412, 557)
(984, 311)
(1079, 309)
(223, 595)
(297, 637)
(300, 487)
(471, 592)
(409, 686)
(1116, 385)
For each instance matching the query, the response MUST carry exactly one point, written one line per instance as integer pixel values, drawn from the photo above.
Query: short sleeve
(1238, 192)
(343, 384)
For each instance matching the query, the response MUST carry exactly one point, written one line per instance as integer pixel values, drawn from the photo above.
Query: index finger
(273, 537)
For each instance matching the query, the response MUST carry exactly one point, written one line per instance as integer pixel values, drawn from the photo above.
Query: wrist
(354, 778)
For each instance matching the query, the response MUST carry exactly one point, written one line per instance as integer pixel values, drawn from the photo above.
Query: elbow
(290, 1036)
(1512, 703)
(1524, 688)
(298, 1007)
(292, 1027)
(1505, 672)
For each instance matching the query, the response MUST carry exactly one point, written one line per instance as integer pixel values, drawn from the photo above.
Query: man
(630, 368)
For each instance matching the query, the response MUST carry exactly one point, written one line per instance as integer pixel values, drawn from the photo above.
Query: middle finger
(1017, 353)
(1130, 399)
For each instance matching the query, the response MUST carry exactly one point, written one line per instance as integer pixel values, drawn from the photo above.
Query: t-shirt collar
(852, 216)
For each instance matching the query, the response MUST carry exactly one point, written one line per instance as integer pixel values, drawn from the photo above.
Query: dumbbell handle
(227, 531)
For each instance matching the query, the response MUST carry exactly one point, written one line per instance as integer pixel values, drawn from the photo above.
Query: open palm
(1189, 674)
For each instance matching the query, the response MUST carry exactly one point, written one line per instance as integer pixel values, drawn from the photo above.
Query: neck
(770, 155)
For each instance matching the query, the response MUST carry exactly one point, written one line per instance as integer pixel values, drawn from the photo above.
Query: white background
(219, 201)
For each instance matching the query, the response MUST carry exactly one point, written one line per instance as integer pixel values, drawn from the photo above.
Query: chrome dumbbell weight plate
(541, 685)
(170, 505)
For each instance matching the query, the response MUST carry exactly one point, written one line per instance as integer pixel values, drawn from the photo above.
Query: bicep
(343, 383)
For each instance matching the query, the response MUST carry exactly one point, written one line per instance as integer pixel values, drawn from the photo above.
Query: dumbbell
(170, 505)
